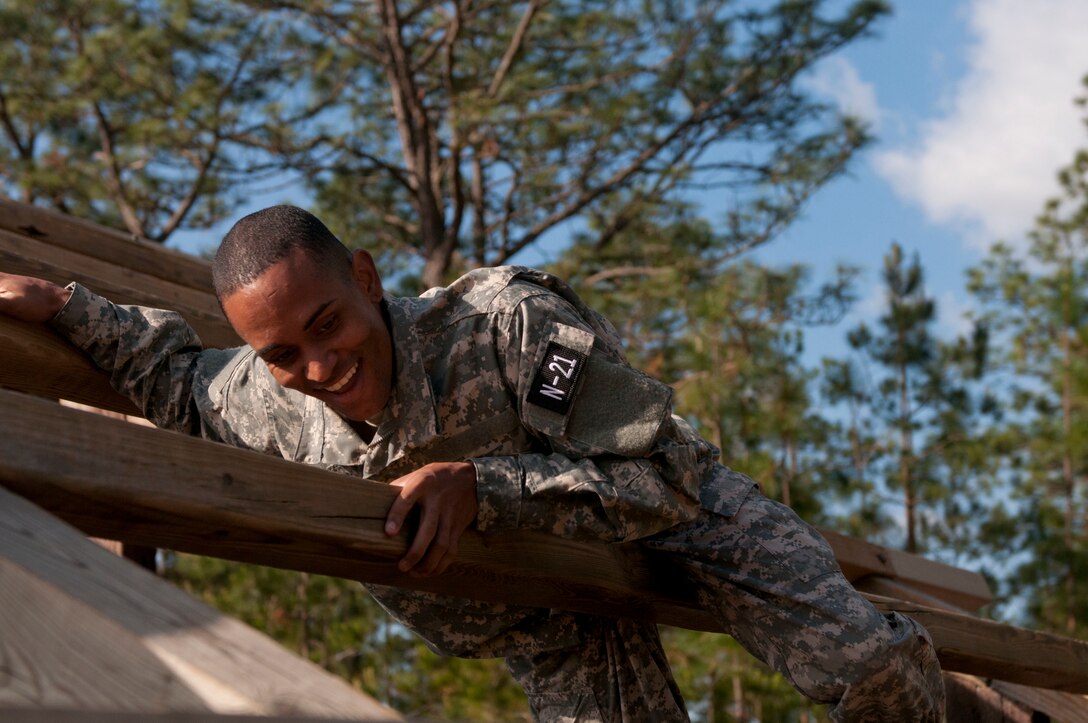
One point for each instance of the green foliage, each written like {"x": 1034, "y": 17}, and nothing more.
{"x": 442, "y": 136}
{"x": 722, "y": 682}
{"x": 908, "y": 405}
{"x": 336, "y": 624}
{"x": 145, "y": 116}
{"x": 476, "y": 129}
{"x": 1036, "y": 303}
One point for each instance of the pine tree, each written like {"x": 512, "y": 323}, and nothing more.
{"x": 1036, "y": 301}
{"x": 908, "y": 403}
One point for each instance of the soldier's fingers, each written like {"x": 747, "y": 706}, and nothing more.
{"x": 421, "y": 542}
{"x": 442, "y": 552}
{"x": 443, "y": 548}
{"x": 447, "y": 560}
{"x": 401, "y": 506}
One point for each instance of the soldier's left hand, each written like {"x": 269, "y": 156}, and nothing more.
{"x": 446, "y": 495}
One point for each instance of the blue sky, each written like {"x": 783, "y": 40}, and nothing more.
{"x": 971, "y": 103}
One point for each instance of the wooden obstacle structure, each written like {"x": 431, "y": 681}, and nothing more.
{"x": 145, "y": 486}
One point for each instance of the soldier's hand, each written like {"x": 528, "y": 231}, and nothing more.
{"x": 30, "y": 299}
{"x": 446, "y": 495}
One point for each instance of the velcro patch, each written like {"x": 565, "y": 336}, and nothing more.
{"x": 555, "y": 380}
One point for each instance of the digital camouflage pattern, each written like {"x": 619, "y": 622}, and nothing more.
{"x": 509, "y": 369}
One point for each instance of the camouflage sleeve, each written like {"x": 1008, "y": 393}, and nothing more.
{"x": 155, "y": 359}
{"x": 619, "y": 465}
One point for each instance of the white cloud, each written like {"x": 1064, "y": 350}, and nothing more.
{"x": 837, "y": 79}
{"x": 990, "y": 162}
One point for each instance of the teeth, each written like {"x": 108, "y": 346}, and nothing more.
{"x": 342, "y": 382}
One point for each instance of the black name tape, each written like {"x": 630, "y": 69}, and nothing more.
{"x": 555, "y": 380}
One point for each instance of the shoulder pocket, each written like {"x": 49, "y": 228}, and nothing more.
{"x": 620, "y": 409}
{"x": 579, "y": 394}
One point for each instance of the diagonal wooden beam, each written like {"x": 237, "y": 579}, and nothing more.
{"x": 35, "y": 360}
{"x": 146, "y": 486}
{"x": 105, "y": 244}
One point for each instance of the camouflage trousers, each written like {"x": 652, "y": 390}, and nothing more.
{"x": 770, "y": 579}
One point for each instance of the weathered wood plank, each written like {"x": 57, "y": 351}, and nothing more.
{"x": 54, "y": 649}
{"x": 122, "y": 284}
{"x": 1064, "y": 707}
{"x": 85, "y": 629}
{"x": 106, "y": 244}
{"x": 140, "y": 485}
{"x": 860, "y": 559}
{"x": 898, "y": 590}
{"x": 35, "y": 360}
{"x": 989, "y": 649}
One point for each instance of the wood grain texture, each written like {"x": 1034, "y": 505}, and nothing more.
{"x": 146, "y": 486}
{"x": 120, "y": 283}
{"x": 1064, "y": 707}
{"x": 85, "y": 629}
{"x": 33, "y": 359}
{"x": 970, "y": 700}
{"x": 105, "y": 244}
{"x": 960, "y": 588}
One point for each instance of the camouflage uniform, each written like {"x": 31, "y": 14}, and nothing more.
{"x": 508, "y": 369}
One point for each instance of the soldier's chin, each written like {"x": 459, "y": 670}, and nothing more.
{"x": 357, "y": 412}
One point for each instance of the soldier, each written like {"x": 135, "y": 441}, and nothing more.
{"x": 503, "y": 402}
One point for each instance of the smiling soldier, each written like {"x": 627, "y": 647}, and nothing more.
{"x": 501, "y": 402}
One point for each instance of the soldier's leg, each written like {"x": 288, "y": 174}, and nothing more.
{"x": 616, "y": 674}
{"x": 572, "y": 667}
{"x": 774, "y": 584}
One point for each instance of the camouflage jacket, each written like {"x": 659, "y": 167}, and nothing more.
{"x": 506, "y": 367}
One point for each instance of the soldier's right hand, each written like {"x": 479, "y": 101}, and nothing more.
{"x": 30, "y": 299}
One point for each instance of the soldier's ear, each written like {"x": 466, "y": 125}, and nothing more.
{"x": 365, "y": 275}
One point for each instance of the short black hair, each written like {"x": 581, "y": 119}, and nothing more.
{"x": 262, "y": 239}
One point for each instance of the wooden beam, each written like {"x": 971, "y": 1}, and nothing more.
{"x": 35, "y": 360}
{"x": 122, "y": 284}
{"x": 899, "y": 590}
{"x": 990, "y": 649}
{"x": 140, "y": 485}
{"x": 970, "y": 700}
{"x": 85, "y": 629}
{"x": 1064, "y": 707}
{"x": 105, "y": 244}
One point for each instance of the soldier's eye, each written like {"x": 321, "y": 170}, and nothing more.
{"x": 279, "y": 358}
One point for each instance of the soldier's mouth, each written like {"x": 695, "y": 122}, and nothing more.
{"x": 342, "y": 381}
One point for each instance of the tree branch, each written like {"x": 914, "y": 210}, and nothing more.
{"x": 515, "y": 45}
{"x": 113, "y": 173}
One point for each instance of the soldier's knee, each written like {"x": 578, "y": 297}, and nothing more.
{"x": 894, "y": 675}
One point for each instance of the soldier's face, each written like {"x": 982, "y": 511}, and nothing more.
{"x": 320, "y": 333}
